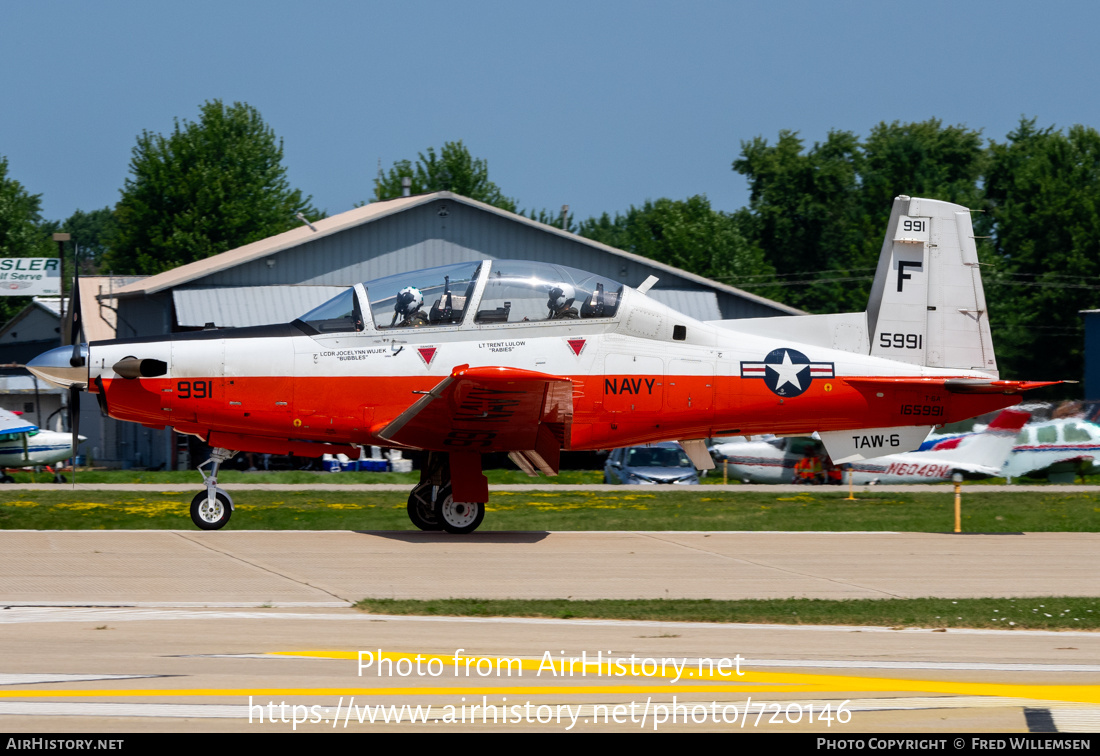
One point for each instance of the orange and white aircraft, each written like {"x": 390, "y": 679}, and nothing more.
{"x": 531, "y": 358}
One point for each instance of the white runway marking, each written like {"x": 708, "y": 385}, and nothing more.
{"x": 1067, "y": 717}
{"x": 177, "y": 604}
{"x": 1076, "y": 720}
{"x": 38, "y": 678}
{"x": 27, "y": 614}
{"x": 86, "y": 709}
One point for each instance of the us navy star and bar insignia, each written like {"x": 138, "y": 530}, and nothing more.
{"x": 787, "y": 372}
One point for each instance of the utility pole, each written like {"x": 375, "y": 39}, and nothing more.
{"x": 61, "y": 239}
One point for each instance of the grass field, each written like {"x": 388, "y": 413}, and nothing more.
{"x": 622, "y": 509}
{"x": 1061, "y": 613}
{"x": 306, "y": 477}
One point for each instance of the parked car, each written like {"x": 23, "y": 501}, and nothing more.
{"x": 659, "y": 463}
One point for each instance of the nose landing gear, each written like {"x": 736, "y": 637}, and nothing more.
{"x": 212, "y": 508}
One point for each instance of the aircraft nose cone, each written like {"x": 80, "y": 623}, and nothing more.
{"x": 54, "y": 366}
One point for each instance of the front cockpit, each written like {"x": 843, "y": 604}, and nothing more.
{"x": 483, "y": 293}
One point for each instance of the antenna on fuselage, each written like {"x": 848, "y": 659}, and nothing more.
{"x": 647, "y": 284}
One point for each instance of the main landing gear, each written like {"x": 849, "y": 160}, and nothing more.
{"x": 432, "y": 503}
{"x": 212, "y": 508}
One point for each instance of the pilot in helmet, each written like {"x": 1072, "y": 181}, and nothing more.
{"x": 561, "y": 302}
{"x": 407, "y": 307}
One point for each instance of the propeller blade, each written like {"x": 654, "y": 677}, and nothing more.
{"x": 74, "y": 422}
{"x": 76, "y": 330}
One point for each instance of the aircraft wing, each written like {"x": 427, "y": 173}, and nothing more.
{"x": 10, "y": 423}
{"x": 490, "y": 409}
{"x": 972, "y": 467}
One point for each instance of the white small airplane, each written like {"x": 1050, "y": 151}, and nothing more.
{"x": 983, "y": 453}
{"x": 1059, "y": 450}
{"x": 22, "y": 444}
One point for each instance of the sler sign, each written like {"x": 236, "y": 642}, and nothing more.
{"x": 30, "y": 276}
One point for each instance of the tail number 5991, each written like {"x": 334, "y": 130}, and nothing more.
{"x": 901, "y": 340}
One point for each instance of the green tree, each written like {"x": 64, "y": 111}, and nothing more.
{"x": 21, "y": 232}
{"x": 550, "y": 218}
{"x": 925, "y": 159}
{"x": 805, "y": 215}
{"x": 453, "y": 169}
{"x": 820, "y": 215}
{"x": 91, "y": 232}
{"x": 1043, "y": 192}
{"x": 687, "y": 234}
{"x": 207, "y": 187}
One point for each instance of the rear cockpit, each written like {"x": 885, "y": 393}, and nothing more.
{"x": 487, "y": 293}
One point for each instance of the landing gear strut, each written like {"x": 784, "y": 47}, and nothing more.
{"x": 432, "y": 504}
{"x": 212, "y": 508}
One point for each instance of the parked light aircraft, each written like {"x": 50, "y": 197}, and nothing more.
{"x": 982, "y": 453}
{"x": 531, "y": 358}
{"x": 22, "y": 444}
{"x": 1059, "y": 449}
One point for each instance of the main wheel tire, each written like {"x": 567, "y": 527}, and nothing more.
{"x": 421, "y": 510}
{"x": 211, "y": 516}
{"x": 457, "y": 516}
{"x": 5, "y": 478}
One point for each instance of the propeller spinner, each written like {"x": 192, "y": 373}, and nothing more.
{"x": 68, "y": 366}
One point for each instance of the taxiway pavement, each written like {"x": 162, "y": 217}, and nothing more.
{"x": 125, "y": 631}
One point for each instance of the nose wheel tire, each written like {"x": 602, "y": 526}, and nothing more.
{"x": 211, "y": 515}
{"x": 458, "y": 516}
{"x": 421, "y": 510}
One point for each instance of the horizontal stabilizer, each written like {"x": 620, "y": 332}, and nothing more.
{"x": 953, "y": 385}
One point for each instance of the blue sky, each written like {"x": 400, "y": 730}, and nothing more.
{"x": 599, "y": 105}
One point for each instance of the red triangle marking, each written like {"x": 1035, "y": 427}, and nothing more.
{"x": 577, "y": 345}
{"x": 427, "y": 354}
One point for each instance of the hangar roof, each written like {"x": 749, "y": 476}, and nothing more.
{"x": 195, "y": 271}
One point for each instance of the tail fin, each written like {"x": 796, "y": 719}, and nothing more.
{"x": 987, "y": 451}
{"x": 927, "y": 305}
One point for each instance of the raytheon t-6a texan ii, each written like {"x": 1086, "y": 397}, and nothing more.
{"x": 533, "y": 358}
